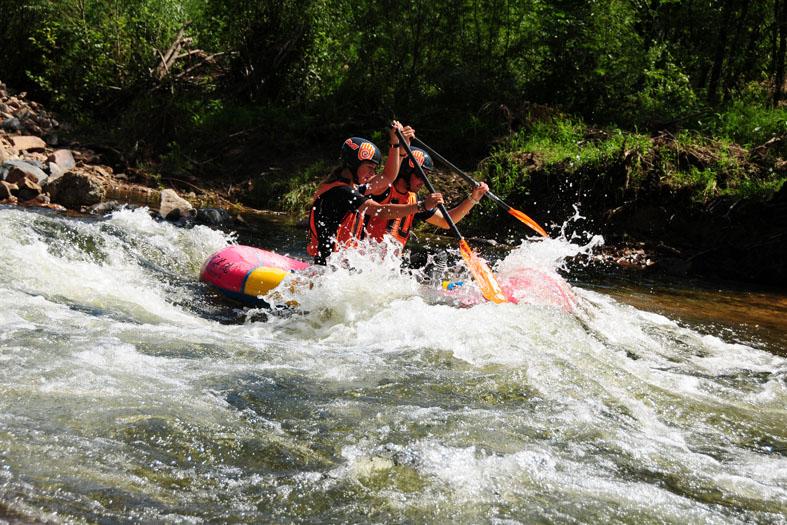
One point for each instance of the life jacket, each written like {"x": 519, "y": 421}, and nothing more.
{"x": 350, "y": 227}
{"x": 399, "y": 229}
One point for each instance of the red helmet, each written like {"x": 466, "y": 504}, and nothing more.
{"x": 356, "y": 150}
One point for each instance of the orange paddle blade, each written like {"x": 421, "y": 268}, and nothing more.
{"x": 527, "y": 220}
{"x": 482, "y": 274}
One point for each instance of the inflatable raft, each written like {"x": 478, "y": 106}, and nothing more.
{"x": 244, "y": 273}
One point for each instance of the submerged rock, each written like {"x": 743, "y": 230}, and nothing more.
{"x": 213, "y": 217}
{"x": 103, "y": 208}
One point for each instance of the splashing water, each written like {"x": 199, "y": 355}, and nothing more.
{"x": 124, "y": 396}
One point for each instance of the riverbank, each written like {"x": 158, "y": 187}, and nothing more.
{"x": 678, "y": 204}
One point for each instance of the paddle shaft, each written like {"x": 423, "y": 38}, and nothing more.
{"x": 461, "y": 173}
{"x": 441, "y": 207}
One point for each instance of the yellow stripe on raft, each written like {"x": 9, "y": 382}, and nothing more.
{"x": 263, "y": 279}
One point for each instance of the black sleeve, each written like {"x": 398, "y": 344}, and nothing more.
{"x": 343, "y": 199}
{"x": 329, "y": 210}
{"x": 381, "y": 197}
{"x": 424, "y": 215}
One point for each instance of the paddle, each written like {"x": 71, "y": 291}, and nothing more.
{"x": 512, "y": 211}
{"x": 478, "y": 268}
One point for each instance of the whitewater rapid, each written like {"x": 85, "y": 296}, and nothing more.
{"x": 130, "y": 392}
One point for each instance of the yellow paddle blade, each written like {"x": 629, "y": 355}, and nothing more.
{"x": 527, "y": 220}
{"x": 482, "y": 274}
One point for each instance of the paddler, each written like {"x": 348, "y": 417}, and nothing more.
{"x": 404, "y": 191}
{"x": 343, "y": 202}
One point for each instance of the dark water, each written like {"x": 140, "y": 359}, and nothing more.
{"x": 736, "y": 312}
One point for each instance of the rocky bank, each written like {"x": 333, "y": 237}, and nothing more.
{"x": 41, "y": 168}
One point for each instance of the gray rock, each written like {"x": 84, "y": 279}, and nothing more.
{"x": 12, "y": 124}
{"x": 63, "y": 158}
{"x": 75, "y": 189}
{"x": 54, "y": 171}
{"x": 23, "y": 169}
{"x": 213, "y": 217}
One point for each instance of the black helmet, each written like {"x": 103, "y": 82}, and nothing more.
{"x": 356, "y": 150}
{"x": 407, "y": 167}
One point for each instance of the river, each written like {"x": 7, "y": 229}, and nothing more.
{"x": 130, "y": 392}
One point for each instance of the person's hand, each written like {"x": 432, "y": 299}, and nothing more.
{"x": 433, "y": 200}
{"x": 408, "y": 133}
{"x": 393, "y": 139}
{"x": 479, "y": 191}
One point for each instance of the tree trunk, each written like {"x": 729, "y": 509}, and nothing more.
{"x": 721, "y": 51}
{"x": 734, "y": 63}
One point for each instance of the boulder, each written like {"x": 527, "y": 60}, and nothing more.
{"x": 54, "y": 171}
{"x": 173, "y": 207}
{"x": 6, "y": 189}
{"x": 213, "y": 217}
{"x": 63, "y": 158}
{"x": 16, "y": 170}
{"x": 4, "y": 154}
{"x": 28, "y": 143}
{"x": 28, "y": 189}
{"x": 12, "y": 124}
{"x": 38, "y": 200}
{"x": 75, "y": 189}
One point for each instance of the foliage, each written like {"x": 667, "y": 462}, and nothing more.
{"x": 87, "y": 54}
{"x": 464, "y": 72}
{"x": 291, "y": 192}
{"x": 689, "y": 161}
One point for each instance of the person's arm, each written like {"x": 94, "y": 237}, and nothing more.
{"x": 458, "y": 212}
{"x": 395, "y": 211}
{"x": 388, "y": 211}
{"x": 379, "y": 183}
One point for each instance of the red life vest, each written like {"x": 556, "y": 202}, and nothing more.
{"x": 350, "y": 227}
{"x": 399, "y": 228}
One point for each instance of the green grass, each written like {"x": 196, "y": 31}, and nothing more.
{"x": 707, "y": 165}
{"x": 301, "y": 187}
{"x": 746, "y": 124}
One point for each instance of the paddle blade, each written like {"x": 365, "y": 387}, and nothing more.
{"x": 482, "y": 274}
{"x": 527, "y": 220}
